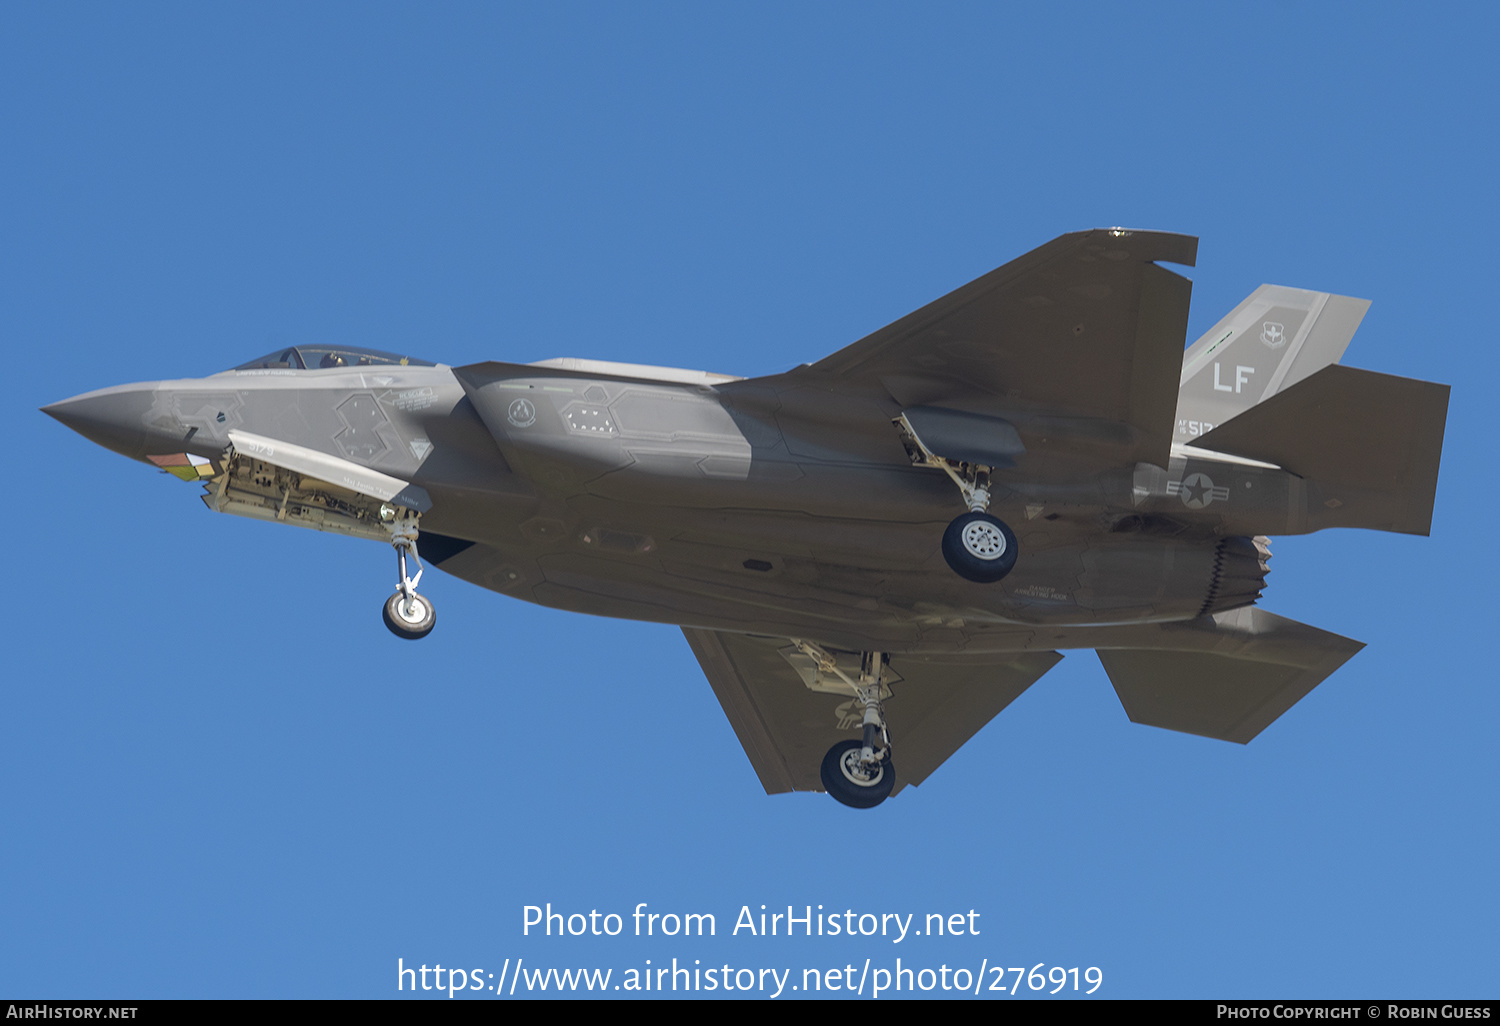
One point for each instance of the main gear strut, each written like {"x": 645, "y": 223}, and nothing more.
{"x": 859, "y": 773}
{"x": 978, "y": 546}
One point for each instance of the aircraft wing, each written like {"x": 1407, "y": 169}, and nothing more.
{"x": 1086, "y": 326}
{"x": 936, "y": 704}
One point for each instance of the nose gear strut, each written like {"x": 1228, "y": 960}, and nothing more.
{"x": 407, "y": 614}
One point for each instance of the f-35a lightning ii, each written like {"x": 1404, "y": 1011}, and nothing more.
{"x": 874, "y": 554}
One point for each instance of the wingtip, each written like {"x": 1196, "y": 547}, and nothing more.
{"x": 1171, "y": 247}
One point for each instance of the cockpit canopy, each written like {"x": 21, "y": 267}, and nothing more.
{"x": 324, "y": 357}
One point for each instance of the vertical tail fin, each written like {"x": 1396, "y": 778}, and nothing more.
{"x": 1271, "y": 341}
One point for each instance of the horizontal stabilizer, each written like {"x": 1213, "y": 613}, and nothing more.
{"x": 1252, "y": 666}
{"x": 938, "y": 703}
{"x": 1369, "y": 443}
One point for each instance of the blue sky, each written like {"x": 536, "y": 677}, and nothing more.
{"x": 220, "y": 775}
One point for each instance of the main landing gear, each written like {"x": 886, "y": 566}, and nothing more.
{"x": 977, "y": 546}
{"x": 858, "y": 773}
{"x": 407, "y": 614}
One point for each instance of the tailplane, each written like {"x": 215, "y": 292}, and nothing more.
{"x": 1228, "y": 676}
{"x": 1366, "y": 445}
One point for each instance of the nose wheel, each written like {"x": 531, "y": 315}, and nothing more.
{"x": 407, "y": 614}
{"x": 411, "y": 618}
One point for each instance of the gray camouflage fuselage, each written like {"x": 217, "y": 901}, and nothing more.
{"x": 745, "y": 505}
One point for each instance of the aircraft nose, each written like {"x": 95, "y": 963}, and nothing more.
{"x": 113, "y": 417}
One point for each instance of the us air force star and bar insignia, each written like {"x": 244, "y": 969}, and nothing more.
{"x": 1197, "y": 491}
{"x": 521, "y": 413}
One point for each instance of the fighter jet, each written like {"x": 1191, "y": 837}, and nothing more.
{"x": 874, "y": 554}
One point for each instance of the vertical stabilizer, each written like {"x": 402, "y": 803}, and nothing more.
{"x": 1271, "y": 341}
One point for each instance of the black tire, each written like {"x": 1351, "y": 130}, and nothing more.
{"x": 845, "y": 788}
{"x": 406, "y": 626}
{"x": 980, "y": 547}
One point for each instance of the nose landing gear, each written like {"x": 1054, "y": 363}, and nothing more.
{"x": 407, "y": 614}
{"x": 410, "y": 618}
